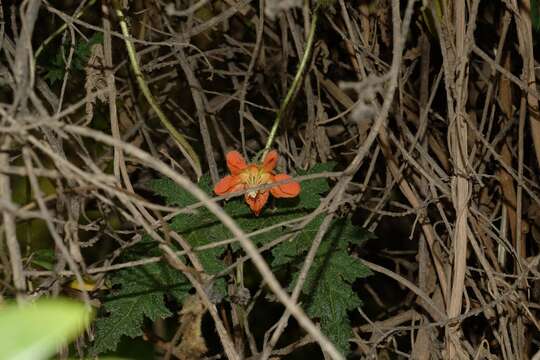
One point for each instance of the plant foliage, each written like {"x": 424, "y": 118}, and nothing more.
{"x": 535, "y": 14}
{"x": 140, "y": 294}
{"x": 327, "y": 291}
{"x": 57, "y": 67}
{"x": 28, "y": 333}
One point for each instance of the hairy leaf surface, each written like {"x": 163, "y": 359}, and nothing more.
{"x": 141, "y": 294}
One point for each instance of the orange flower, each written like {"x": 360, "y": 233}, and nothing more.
{"x": 244, "y": 176}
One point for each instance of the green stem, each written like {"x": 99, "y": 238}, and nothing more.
{"x": 296, "y": 84}
{"x": 60, "y": 30}
{"x": 181, "y": 141}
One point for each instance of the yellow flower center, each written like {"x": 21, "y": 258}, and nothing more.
{"x": 254, "y": 176}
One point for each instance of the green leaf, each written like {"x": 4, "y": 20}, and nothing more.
{"x": 35, "y": 331}
{"x": 44, "y": 258}
{"x": 141, "y": 294}
{"x": 310, "y": 196}
{"x": 56, "y": 69}
{"x": 176, "y": 195}
{"x": 327, "y": 290}
{"x": 203, "y": 228}
{"x": 83, "y": 50}
{"x": 535, "y": 15}
{"x": 198, "y": 228}
{"x": 140, "y": 291}
{"x": 284, "y": 210}
{"x": 289, "y": 251}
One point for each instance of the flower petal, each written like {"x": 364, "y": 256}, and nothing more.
{"x": 235, "y": 162}
{"x": 288, "y": 190}
{"x": 270, "y": 161}
{"x": 228, "y": 184}
{"x": 257, "y": 203}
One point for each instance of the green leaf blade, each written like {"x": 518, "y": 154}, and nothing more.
{"x": 141, "y": 294}
{"x": 34, "y": 331}
{"x": 327, "y": 289}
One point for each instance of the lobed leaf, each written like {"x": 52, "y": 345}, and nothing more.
{"x": 327, "y": 289}
{"x": 141, "y": 294}
{"x": 142, "y": 290}
{"x": 56, "y": 68}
